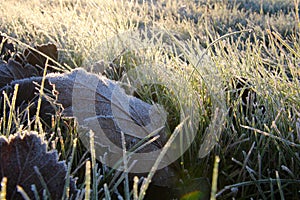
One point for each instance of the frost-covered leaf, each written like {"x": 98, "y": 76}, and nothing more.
{"x": 28, "y": 95}
{"x": 19, "y": 155}
{"x": 13, "y": 71}
{"x": 5, "y": 75}
{"x": 95, "y": 99}
{"x": 101, "y": 104}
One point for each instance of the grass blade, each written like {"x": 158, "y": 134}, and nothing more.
{"x": 147, "y": 181}
{"x": 87, "y": 180}
{"x": 215, "y": 179}
{"x": 3, "y": 188}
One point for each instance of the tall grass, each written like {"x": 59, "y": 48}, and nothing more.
{"x": 180, "y": 45}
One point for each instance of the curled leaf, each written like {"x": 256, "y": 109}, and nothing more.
{"x": 101, "y": 105}
{"x": 95, "y": 99}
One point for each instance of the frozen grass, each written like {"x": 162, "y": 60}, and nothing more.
{"x": 257, "y": 146}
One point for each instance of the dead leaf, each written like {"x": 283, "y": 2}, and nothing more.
{"x": 19, "y": 155}
{"x": 98, "y": 102}
{"x": 14, "y": 71}
{"x": 28, "y": 95}
{"x": 97, "y": 99}
{"x": 102, "y": 105}
{"x": 28, "y": 64}
{"x": 6, "y": 48}
{"x": 37, "y": 59}
{"x": 19, "y": 72}
{"x": 5, "y": 75}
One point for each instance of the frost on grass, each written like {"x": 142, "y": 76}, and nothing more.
{"x": 25, "y": 161}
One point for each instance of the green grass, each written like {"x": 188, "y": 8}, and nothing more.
{"x": 180, "y": 46}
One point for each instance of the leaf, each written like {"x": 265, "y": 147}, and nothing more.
{"x": 6, "y": 48}
{"x": 14, "y": 71}
{"x": 101, "y": 104}
{"x": 5, "y": 76}
{"x": 28, "y": 94}
{"x": 19, "y": 155}
{"x": 30, "y": 63}
{"x": 95, "y": 99}
{"x": 19, "y": 72}
{"x": 37, "y": 59}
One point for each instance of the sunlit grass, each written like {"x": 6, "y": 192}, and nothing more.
{"x": 180, "y": 46}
